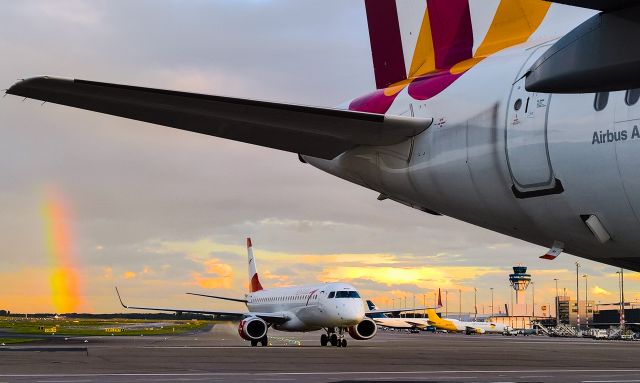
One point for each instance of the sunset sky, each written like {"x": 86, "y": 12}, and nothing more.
{"x": 89, "y": 202}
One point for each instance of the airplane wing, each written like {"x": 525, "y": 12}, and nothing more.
{"x": 599, "y": 5}
{"x": 317, "y": 132}
{"x": 276, "y": 318}
{"x": 400, "y": 310}
{"x": 219, "y": 297}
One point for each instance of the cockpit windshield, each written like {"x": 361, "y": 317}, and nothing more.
{"x": 347, "y": 294}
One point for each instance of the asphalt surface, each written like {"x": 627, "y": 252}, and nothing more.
{"x": 219, "y": 355}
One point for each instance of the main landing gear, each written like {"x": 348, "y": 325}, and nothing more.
{"x": 264, "y": 342}
{"x": 334, "y": 338}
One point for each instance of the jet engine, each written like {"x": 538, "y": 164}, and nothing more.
{"x": 364, "y": 330}
{"x": 252, "y": 328}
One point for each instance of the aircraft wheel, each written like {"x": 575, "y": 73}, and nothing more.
{"x": 264, "y": 341}
{"x": 254, "y": 343}
{"x": 344, "y": 343}
{"x": 334, "y": 340}
{"x": 324, "y": 339}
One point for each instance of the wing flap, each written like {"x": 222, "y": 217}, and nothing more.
{"x": 318, "y": 132}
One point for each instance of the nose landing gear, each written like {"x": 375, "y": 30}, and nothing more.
{"x": 334, "y": 336}
{"x": 264, "y": 342}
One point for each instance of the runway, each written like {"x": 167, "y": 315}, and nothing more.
{"x": 219, "y": 355}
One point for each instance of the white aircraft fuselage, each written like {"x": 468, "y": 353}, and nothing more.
{"x": 309, "y": 308}
{"x": 533, "y": 173}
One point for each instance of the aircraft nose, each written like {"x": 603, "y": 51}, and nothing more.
{"x": 354, "y": 313}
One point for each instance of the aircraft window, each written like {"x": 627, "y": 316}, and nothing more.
{"x": 601, "y": 101}
{"x": 632, "y": 96}
{"x": 347, "y": 294}
{"x": 332, "y": 294}
{"x": 518, "y": 104}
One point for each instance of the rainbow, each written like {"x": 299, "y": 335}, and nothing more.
{"x": 65, "y": 283}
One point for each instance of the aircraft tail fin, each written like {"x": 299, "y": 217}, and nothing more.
{"x": 254, "y": 280}
{"x": 411, "y": 38}
{"x": 433, "y": 316}
{"x": 371, "y": 305}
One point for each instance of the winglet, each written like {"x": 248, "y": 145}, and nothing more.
{"x": 120, "y": 299}
{"x": 555, "y": 250}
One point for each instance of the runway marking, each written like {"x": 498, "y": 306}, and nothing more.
{"x": 302, "y": 373}
{"x": 610, "y": 381}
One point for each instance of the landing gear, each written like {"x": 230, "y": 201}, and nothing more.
{"x": 264, "y": 342}
{"x": 334, "y": 336}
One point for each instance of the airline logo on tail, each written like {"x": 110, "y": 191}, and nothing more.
{"x": 254, "y": 281}
{"x": 425, "y": 46}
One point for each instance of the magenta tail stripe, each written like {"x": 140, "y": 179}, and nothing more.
{"x": 451, "y": 30}
{"x": 386, "y": 42}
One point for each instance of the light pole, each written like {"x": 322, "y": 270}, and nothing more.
{"x": 533, "y": 296}
{"x": 491, "y": 303}
{"x": 475, "y": 303}
{"x": 586, "y": 300}
{"x": 424, "y": 303}
{"x": 557, "y": 303}
{"x": 621, "y": 287}
{"x": 460, "y": 304}
{"x": 446, "y": 303}
{"x": 578, "y": 295}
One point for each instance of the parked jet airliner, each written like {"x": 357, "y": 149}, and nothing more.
{"x": 335, "y": 308}
{"x": 471, "y": 327}
{"x": 520, "y": 116}
{"x": 409, "y": 323}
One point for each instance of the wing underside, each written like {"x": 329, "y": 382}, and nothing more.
{"x": 317, "y": 132}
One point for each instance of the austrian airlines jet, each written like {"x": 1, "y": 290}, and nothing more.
{"x": 519, "y": 116}
{"x": 335, "y": 308}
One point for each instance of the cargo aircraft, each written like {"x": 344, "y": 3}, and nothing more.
{"x": 335, "y": 308}
{"x": 519, "y": 116}
{"x": 468, "y": 327}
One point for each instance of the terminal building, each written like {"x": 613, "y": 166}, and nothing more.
{"x": 568, "y": 311}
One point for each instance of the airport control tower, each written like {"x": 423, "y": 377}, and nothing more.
{"x": 520, "y": 281}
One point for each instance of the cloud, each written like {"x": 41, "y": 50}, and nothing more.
{"x": 211, "y": 283}
{"x": 597, "y": 290}
{"x": 422, "y": 277}
{"x": 108, "y": 273}
{"x": 129, "y": 275}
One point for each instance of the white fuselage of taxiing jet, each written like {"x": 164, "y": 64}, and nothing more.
{"x": 528, "y": 165}
{"x": 485, "y": 327}
{"x": 310, "y": 308}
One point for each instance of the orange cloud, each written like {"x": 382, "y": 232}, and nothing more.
{"x": 423, "y": 277}
{"x": 129, "y": 275}
{"x": 212, "y": 283}
{"x": 108, "y": 273}
{"x": 214, "y": 266}
{"x": 275, "y": 279}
